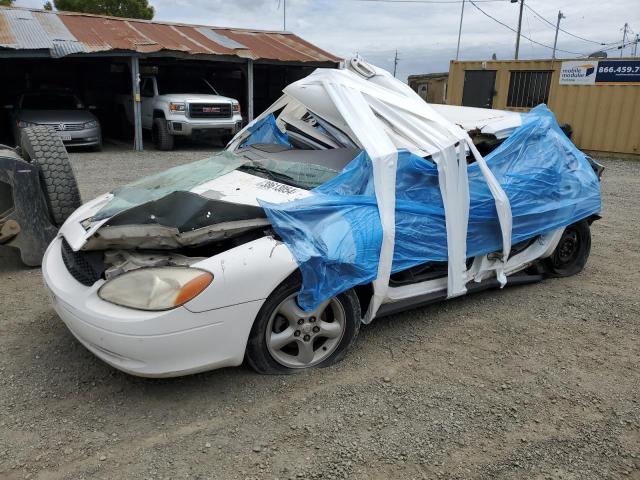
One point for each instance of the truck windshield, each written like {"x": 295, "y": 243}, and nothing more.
{"x": 169, "y": 85}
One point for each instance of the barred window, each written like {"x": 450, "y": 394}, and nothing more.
{"x": 528, "y": 88}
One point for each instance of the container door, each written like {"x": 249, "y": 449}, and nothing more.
{"x": 479, "y": 88}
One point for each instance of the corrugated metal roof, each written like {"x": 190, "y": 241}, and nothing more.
{"x": 220, "y": 39}
{"x": 66, "y": 33}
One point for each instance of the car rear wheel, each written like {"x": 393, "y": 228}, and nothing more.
{"x": 572, "y": 252}
{"x": 285, "y": 339}
{"x": 162, "y": 139}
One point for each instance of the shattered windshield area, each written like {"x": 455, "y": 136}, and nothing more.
{"x": 306, "y": 155}
{"x": 184, "y": 177}
{"x": 300, "y": 175}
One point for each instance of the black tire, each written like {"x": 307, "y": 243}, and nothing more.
{"x": 98, "y": 146}
{"x": 572, "y": 252}
{"x": 124, "y": 129}
{"x": 162, "y": 139}
{"x": 42, "y": 147}
{"x": 258, "y": 355}
{"x": 225, "y": 139}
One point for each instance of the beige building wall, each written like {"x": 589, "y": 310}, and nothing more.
{"x": 604, "y": 118}
{"x": 432, "y": 90}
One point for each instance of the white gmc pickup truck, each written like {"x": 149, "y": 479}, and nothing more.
{"x": 188, "y": 106}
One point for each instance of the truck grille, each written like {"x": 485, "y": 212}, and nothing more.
{"x": 85, "y": 267}
{"x": 210, "y": 110}
{"x": 67, "y": 127}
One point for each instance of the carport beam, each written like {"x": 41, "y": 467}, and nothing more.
{"x": 250, "y": 89}
{"x": 137, "y": 111}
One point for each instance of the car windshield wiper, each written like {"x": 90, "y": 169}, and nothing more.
{"x": 277, "y": 176}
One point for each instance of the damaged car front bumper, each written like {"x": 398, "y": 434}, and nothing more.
{"x": 143, "y": 343}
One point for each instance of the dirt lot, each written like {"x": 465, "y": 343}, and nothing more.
{"x": 540, "y": 381}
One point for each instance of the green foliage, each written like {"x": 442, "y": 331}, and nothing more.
{"x": 48, "y": 6}
{"x": 114, "y": 8}
{"x": 6, "y": 3}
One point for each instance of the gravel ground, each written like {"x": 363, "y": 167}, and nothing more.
{"x": 540, "y": 381}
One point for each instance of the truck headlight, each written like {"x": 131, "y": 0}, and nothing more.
{"x": 177, "y": 107}
{"x": 236, "y": 107}
{"x": 156, "y": 288}
{"x": 91, "y": 124}
{"x": 23, "y": 124}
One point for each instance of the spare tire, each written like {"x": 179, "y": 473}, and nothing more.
{"x": 42, "y": 147}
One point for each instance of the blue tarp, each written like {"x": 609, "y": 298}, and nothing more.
{"x": 266, "y": 131}
{"x": 335, "y": 234}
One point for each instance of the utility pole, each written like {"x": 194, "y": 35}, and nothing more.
{"x": 460, "y": 31}
{"x": 519, "y": 26}
{"x": 624, "y": 38}
{"x": 395, "y": 64}
{"x": 635, "y": 47}
{"x": 284, "y": 14}
{"x": 555, "y": 41}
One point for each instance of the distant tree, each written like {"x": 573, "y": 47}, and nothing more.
{"x": 114, "y": 8}
{"x": 6, "y": 3}
{"x": 48, "y": 6}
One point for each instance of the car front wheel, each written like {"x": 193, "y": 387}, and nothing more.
{"x": 285, "y": 339}
{"x": 162, "y": 139}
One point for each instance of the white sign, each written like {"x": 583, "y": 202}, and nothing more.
{"x": 581, "y": 72}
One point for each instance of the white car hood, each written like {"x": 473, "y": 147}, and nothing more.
{"x": 500, "y": 123}
{"x": 235, "y": 187}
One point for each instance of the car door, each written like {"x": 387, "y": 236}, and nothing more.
{"x": 147, "y": 92}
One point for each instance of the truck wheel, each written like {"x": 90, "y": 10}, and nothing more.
{"x": 285, "y": 339}
{"x": 41, "y": 146}
{"x": 162, "y": 139}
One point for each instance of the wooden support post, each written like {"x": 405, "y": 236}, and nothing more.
{"x": 250, "y": 112}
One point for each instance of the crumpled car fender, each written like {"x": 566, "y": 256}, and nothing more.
{"x": 245, "y": 273}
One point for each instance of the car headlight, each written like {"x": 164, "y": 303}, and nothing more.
{"x": 91, "y": 124}
{"x": 177, "y": 107}
{"x": 236, "y": 107}
{"x": 23, "y": 124}
{"x": 156, "y": 288}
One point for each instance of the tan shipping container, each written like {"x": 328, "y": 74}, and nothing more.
{"x": 431, "y": 87}
{"x": 604, "y": 118}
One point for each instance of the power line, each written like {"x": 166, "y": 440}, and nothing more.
{"x": 473, "y": 2}
{"x": 431, "y": 1}
{"x": 619, "y": 47}
{"x": 562, "y": 30}
{"x": 526, "y": 16}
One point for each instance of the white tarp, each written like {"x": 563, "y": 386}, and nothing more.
{"x": 382, "y": 114}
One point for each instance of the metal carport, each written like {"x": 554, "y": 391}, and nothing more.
{"x": 41, "y": 42}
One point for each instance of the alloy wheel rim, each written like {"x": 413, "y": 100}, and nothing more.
{"x": 299, "y": 339}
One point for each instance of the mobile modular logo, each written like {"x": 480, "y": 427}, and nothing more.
{"x": 578, "y": 73}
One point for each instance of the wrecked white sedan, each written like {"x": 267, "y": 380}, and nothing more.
{"x": 349, "y": 199}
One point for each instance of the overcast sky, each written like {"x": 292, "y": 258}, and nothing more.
{"x": 424, "y": 34}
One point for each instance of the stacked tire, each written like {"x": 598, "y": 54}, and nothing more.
{"x": 42, "y": 147}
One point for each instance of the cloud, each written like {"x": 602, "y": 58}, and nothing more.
{"x": 424, "y": 34}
